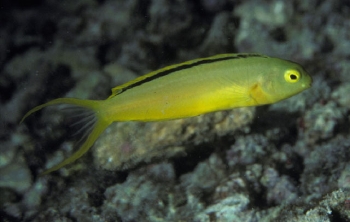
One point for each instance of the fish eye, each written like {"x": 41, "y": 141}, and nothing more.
{"x": 292, "y": 76}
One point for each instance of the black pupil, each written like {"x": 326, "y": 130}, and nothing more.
{"x": 293, "y": 77}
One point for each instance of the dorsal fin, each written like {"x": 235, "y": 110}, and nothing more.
{"x": 172, "y": 68}
{"x": 118, "y": 89}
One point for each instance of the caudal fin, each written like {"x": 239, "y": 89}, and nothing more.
{"x": 92, "y": 123}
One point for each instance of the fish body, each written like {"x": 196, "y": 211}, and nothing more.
{"x": 189, "y": 89}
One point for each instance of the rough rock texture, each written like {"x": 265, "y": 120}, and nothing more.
{"x": 285, "y": 162}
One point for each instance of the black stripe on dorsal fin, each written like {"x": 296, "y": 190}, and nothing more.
{"x": 174, "y": 68}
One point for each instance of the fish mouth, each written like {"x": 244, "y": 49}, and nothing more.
{"x": 309, "y": 83}
{"x": 306, "y": 86}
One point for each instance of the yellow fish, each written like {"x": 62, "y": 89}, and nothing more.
{"x": 189, "y": 89}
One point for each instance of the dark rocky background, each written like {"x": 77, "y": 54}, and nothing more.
{"x": 284, "y": 162}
